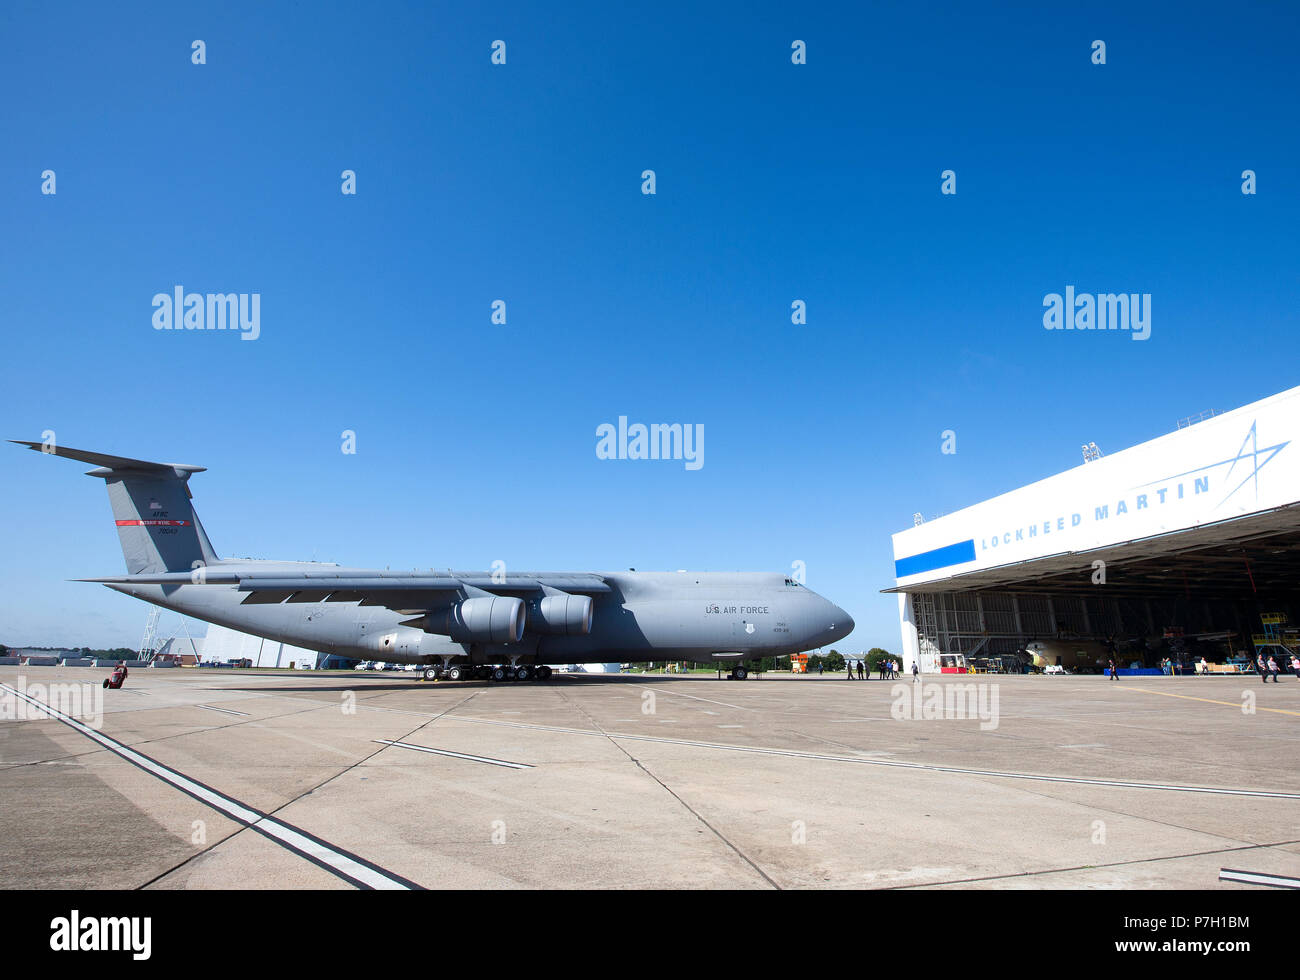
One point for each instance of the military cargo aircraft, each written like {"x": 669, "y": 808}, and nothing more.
{"x": 457, "y": 625}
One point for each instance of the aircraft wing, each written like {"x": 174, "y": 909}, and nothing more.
{"x": 405, "y": 592}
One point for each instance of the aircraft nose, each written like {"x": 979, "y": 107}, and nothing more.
{"x": 839, "y": 625}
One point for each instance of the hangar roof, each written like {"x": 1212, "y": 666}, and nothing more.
{"x": 1215, "y": 503}
{"x": 1258, "y": 555}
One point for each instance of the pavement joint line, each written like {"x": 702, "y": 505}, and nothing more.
{"x": 1114, "y": 811}
{"x": 234, "y": 724}
{"x": 227, "y": 711}
{"x": 343, "y": 864}
{"x": 820, "y": 738}
{"x": 1258, "y": 878}
{"x": 453, "y": 755}
{"x": 58, "y": 758}
{"x": 679, "y": 694}
{"x": 1099, "y": 867}
{"x": 1231, "y": 704}
{"x": 926, "y": 767}
{"x": 360, "y": 703}
{"x": 667, "y": 789}
{"x": 310, "y": 790}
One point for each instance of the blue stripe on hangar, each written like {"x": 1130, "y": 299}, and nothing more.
{"x": 928, "y": 561}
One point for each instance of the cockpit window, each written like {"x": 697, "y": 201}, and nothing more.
{"x": 791, "y": 583}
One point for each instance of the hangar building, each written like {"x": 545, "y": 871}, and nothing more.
{"x": 1186, "y": 544}
{"x": 223, "y": 644}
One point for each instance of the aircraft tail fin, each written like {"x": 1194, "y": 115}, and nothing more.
{"x": 156, "y": 523}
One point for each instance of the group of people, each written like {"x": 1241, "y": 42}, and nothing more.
{"x": 1268, "y": 668}
{"x": 888, "y": 670}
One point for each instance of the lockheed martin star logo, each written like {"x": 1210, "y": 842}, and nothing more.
{"x": 1249, "y": 455}
{"x": 1253, "y": 456}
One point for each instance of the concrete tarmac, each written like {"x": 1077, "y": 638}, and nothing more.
{"x": 249, "y": 779}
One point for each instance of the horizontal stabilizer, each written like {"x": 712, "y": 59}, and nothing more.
{"x": 118, "y": 463}
{"x": 200, "y": 576}
{"x": 156, "y": 523}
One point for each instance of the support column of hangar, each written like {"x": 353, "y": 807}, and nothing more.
{"x": 1200, "y": 523}
{"x": 918, "y": 616}
{"x": 907, "y": 624}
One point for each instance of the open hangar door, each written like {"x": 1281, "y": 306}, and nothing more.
{"x": 1221, "y": 591}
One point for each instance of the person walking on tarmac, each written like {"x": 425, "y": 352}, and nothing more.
{"x": 1114, "y": 671}
{"x": 860, "y": 668}
{"x": 1262, "y": 668}
{"x": 1272, "y": 669}
{"x": 848, "y": 670}
{"x": 916, "y": 672}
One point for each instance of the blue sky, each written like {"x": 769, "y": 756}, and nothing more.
{"x": 522, "y": 182}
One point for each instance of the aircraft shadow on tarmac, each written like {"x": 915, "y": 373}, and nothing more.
{"x": 342, "y": 683}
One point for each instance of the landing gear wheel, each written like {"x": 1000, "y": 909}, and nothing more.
{"x": 543, "y": 673}
{"x": 740, "y": 673}
{"x": 430, "y": 673}
{"x": 523, "y": 672}
{"x": 499, "y": 674}
{"x": 454, "y": 674}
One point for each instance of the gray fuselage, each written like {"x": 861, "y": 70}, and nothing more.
{"x": 695, "y": 616}
{"x": 423, "y": 617}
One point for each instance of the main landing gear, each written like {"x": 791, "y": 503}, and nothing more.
{"x": 502, "y": 673}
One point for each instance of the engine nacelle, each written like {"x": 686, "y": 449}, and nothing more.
{"x": 561, "y": 615}
{"x": 485, "y": 619}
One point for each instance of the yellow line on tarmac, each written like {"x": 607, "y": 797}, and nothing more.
{"x": 1188, "y": 697}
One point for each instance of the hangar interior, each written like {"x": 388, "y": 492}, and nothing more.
{"x": 1220, "y": 590}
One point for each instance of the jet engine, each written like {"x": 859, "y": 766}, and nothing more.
{"x": 560, "y": 615}
{"x": 481, "y": 619}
